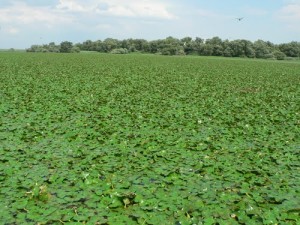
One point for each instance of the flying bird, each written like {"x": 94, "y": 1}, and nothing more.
{"x": 240, "y": 18}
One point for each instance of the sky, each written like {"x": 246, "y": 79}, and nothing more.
{"x": 28, "y": 22}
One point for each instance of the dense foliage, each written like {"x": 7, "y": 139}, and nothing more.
{"x": 64, "y": 47}
{"x": 187, "y": 46}
{"x": 144, "y": 139}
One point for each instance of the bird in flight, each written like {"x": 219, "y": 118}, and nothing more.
{"x": 240, "y": 18}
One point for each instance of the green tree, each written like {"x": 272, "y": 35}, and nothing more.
{"x": 154, "y": 46}
{"x": 217, "y": 45}
{"x": 237, "y": 48}
{"x": 228, "y": 52}
{"x": 262, "y": 49}
{"x": 214, "y": 41}
{"x": 110, "y": 43}
{"x": 52, "y": 47}
{"x": 198, "y": 45}
{"x": 291, "y": 49}
{"x": 119, "y": 51}
{"x": 87, "y": 45}
{"x": 207, "y": 49}
{"x": 37, "y": 48}
{"x": 188, "y": 45}
{"x": 97, "y": 46}
{"x": 139, "y": 44}
{"x": 75, "y": 49}
{"x": 279, "y": 55}
{"x": 66, "y": 47}
{"x": 248, "y": 49}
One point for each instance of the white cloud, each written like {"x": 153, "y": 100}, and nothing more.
{"x": 291, "y": 12}
{"x": 81, "y": 13}
{"x": 24, "y": 21}
{"x": 20, "y": 13}
{"x": 290, "y": 15}
{"x": 12, "y": 30}
{"x": 131, "y": 8}
{"x": 292, "y": 1}
{"x": 79, "y": 20}
{"x": 69, "y": 5}
{"x": 103, "y": 26}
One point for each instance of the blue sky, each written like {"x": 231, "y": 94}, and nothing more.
{"x": 27, "y": 22}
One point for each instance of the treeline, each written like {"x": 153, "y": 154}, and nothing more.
{"x": 64, "y": 47}
{"x": 185, "y": 46}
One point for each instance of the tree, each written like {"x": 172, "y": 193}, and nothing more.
{"x": 291, "y": 49}
{"x": 185, "y": 46}
{"x": 198, "y": 46}
{"x": 214, "y": 41}
{"x": 186, "y": 40}
{"x": 154, "y": 46}
{"x": 87, "y": 45}
{"x": 125, "y": 44}
{"x": 228, "y": 52}
{"x": 188, "y": 45}
{"x": 217, "y": 46}
{"x": 37, "y": 48}
{"x": 75, "y": 49}
{"x": 95, "y": 45}
{"x": 110, "y": 43}
{"x": 168, "y": 46}
{"x": 139, "y": 44}
{"x": 66, "y": 47}
{"x": 119, "y": 51}
{"x": 262, "y": 49}
{"x": 52, "y": 47}
{"x": 279, "y": 55}
{"x": 237, "y": 47}
{"x": 207, "y": 50}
